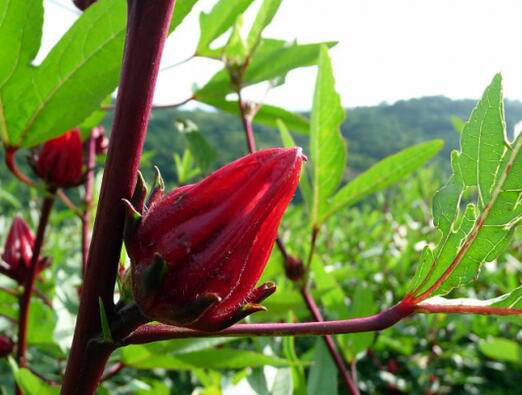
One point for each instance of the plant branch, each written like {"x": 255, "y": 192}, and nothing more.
{"x": 112, "y": 371}
{"x": 462, "y": 309}
{"x": 147, "y": 29}
{"x": 154, "y": 332}
{"x": 330, "y": 344}
{"x": 87, "y": 200}
{"x": 159, "y": 106}
{"x": 10, "y": 161}
{"x": 247, "y": 115}
{"x": 25, "y": 298}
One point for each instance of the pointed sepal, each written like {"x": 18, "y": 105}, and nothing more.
{"x": 140, "y": 194}
{"x": 158, "y": 186}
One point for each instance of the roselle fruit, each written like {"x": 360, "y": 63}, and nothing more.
{"x": 6, "y": 346}
{"x": 60, "y": 161}
{"x": 18, "y": 252}
{"x": 198, "y": 251}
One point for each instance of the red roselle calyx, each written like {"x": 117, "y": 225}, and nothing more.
{"x": 198, "y": 251}
{"x": 18, "y": 252}
{"x": 6, "y": 346}
{"x": 60, "y": 161}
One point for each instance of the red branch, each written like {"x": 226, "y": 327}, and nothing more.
{"x": 147, "y": 28}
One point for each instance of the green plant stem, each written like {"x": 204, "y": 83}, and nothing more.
{"x": 147, "y": 28}
{"x": 87, "y": 200}
{"x": 330, "y": 343}
{"x": 25, "y": 298}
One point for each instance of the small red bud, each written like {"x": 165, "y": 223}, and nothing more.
{"x": 198, "y": 252}
{"x": 18, "y": 251}
{"x": 294, "y": 268}
{"x": 59, "y": 162}
{"x": 101, "y": 142}
{"x": 6, "y": 346}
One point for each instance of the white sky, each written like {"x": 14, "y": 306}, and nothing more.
{"x": 388, "y": 49}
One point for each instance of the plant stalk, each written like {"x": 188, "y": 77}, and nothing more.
{"x": 87, "y": 200}
{"x": 25, "y": 298}
{"x": 147, "y": 29}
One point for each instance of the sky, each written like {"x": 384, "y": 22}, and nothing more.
{"x": 387, "y": 50}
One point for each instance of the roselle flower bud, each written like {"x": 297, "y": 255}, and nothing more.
{"x": 59, "y": 162}
{"x": 6, "y": 346}
{"x": 294, "y": 268}
{"x": 198, "y": 251}
{"x": 18, "y": 252}
{"x": 101, "y": 142}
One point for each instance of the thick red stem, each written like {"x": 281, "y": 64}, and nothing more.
{"x": 148, "y": 23}
{"x": 25, "y": 298}
{"x": 330, "y": 344}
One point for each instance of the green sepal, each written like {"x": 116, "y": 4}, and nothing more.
{"x": 106, "y": 330}
{"x": 140, "y": 193}
{"x": 194, "y": 310}
{"x": 153, "y": 275}
{"x": 158, "y": 186}
{"x": 132, "y": 222}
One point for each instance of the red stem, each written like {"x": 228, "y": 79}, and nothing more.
{"x": 246, "y": 118}
{"x": 147, "y": 29}
{"x": 25, "y": 298}
{"x": 87, "y": 200}
{"x": 332, "y": 348}
{"x": 10, "y": 161}
{"x": 156, "y": 332}
{"x": 113, "y": 371}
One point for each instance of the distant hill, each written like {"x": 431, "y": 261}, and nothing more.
{"x": 372, "y": 132}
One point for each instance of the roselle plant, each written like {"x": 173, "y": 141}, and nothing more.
{"x": 197, "y": 252}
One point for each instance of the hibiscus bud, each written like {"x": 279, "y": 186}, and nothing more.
{"x": 59, "y": 162}
{"x": 18, "y": 252}
{"x": 198, "y": 251}
{"x": 6, "y": 346}
{"x": 294, "y": 268}
{"x": 101, "y": 142}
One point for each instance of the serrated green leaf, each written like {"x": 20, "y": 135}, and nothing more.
{"x": 492, "y": 167}
{"x": 272, "y": 59}
{"x": 235, "y": 51}
{"x": 383, "y": 174}
{"x": 267, "y": 114}
{"x": 304, "y": 182}
{"x": 140, "y": 357}
{"x": 60, "y": 93}
{"x": 21, "y": 31}
{"x": 323, "y": 373}
{"x": 216, "y": 22}
{"x": 204, "y": 154}
{"x": 263, "y": 18}
{"x": 181, "y": 9}
{"x": 327, "y": 146}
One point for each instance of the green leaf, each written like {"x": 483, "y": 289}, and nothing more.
{"x": 304, "y": 182}
{"x": 490, "y": 167}
{"x": 30, "y": 383}
{"x": 21, "y": 31}
{"x": 502, "y": 349}
{"x": 181, "y": 9}
{"x": 263, "y": 18}
{"x": 327, "y": 147}
{"x": 203, "y": 152}
{"x": 42, "y": 323}
{"x": 323, "y": 373}
{"x": 142, "y": 358}
{"x": 363, "y": 305}
{"x": 383, "y": 174}
{"x": 61, "y": 93}
{"x": 235, "y": 51}
{"x": 267, "y": 114}
{"x": 273, "y": 59}
{"x": 216, "y": 22}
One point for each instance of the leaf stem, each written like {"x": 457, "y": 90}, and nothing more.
{"x": 247, "y": 115}
{"x": 25, "y": 298}
{"x": 147, "y": 29}
{"x": 154, "y": 332}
